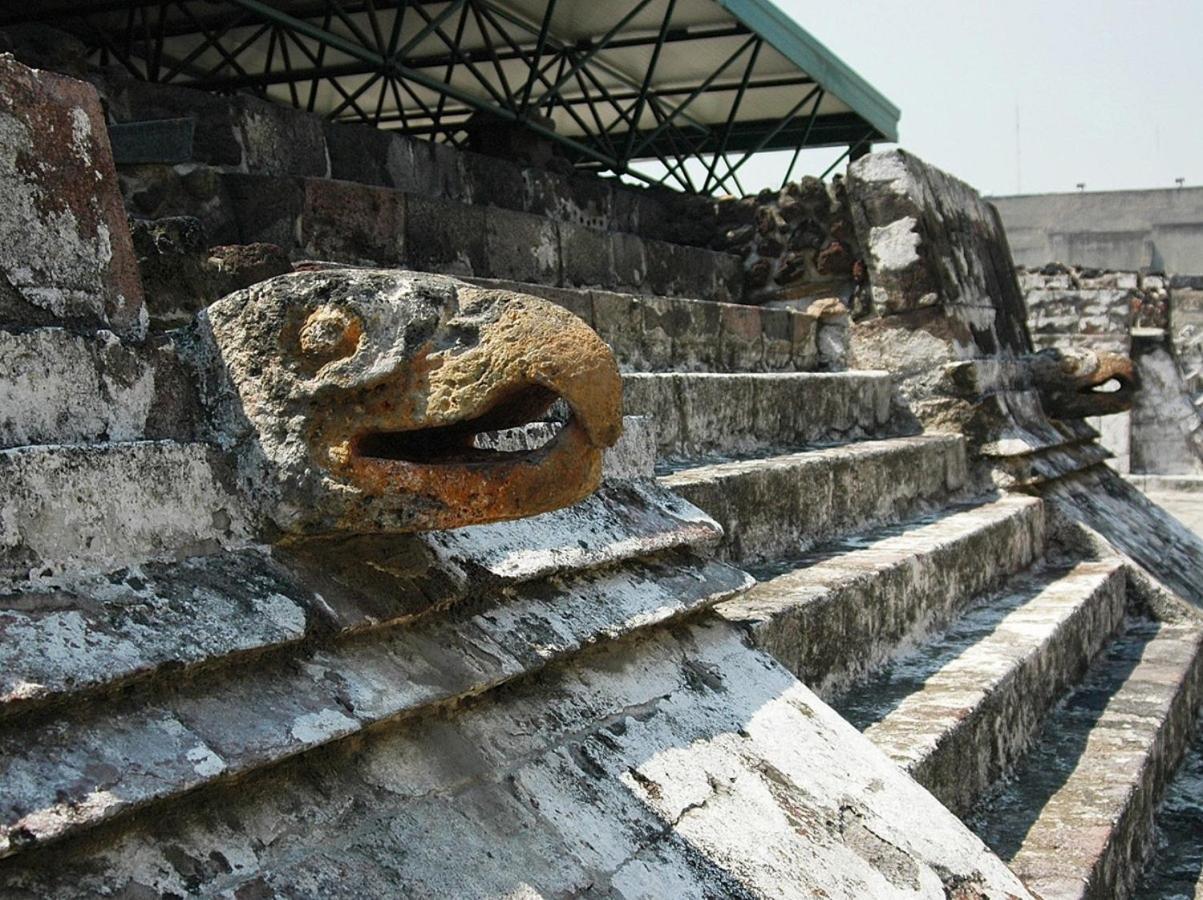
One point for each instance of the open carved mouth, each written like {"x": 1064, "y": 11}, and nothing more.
{"x": 514, "y": 427}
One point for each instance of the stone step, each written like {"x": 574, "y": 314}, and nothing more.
{"x": 324, "y": 219}
{"x": 1077, "y": 820}
{"x": 1176, "y": 872}
{"x": 781, "y": 506}
{"x": 680, "y": 334}
{"x": 238, "y": 132}
{"x": 68, "y": 772}
{"x": 836, "y": 614}
{"x": 959, "y": 711}
{"x": 65, "y": 639}
{"x": 58, "y": 387}
{"x": 99, "y": 507}
{"x": 72, "y": 509}
{"x": 683, "y": 764}
{"x": 699, "y": 415}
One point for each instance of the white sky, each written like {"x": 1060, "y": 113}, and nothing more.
{"x": 1109, "y": 92}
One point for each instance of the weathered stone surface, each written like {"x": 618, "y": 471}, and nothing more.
{"x": 1177, "y": 870}
{"x": 232, "y": 267}
{"x": 279, "y": 140}
{"x": 171, "y": 255}
{"x": 1077, "y": 819}
{"x": 352, "y": 397}
{"x": 784, "y": 505}
{"x": 1133, "y": 526}
{"x": 834, "y": 615}
{"x": 65, "y": 250}
{"x": 65, "y": 509}
{"x": 445, "y": 237}
{"x": 1166, "y": 427}
{"x": 353, "y": 223}
{"x": 215, "y": 726}
{"x": 960, "y": 710}
{"x": 708, "y": 414}
{"x": 265, "y": 210}
{"x": 931, "y": 240}
{"x": 586, "y": 256}
{"x": 684, "y": 765}
{"x": 58, "y": 387}
{"x": 99, "y": 632}
{"x": 522, "y": 247}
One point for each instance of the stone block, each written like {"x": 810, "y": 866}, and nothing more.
{"x": 932, "y": 240}
{"x": 804, "y": 333}
{"x": 586, "y": 200}
{"x": 741, "y": 342}
{"x": 728, "y": 278}
{"x": 171, "y": 259}
{"x": 353, "y": 223}
{"x": 777, "y": 327}
{"x": 280, "y": 140}
{"x": 541, "y": 193}
{"x": 698, "y": 275}
{"x": 493, "y": 182}
{"x": 659, "y": 325}
{"x": 442, "y": 236}
{"x": 618, "y": 319}
{"x": 63, "y": 388}
{"x": 697, "y": 336}
{"x": 521, "y": 246}
{"x": 102, "y": 507}
{"x": 161, "y": 191}
{"x": 66, "y": 256}
{"x": 424, "y": 167}
{"x": 665, "y": 265}
{"x": 630, "y": 262}
{"x": 266, "y": 208}
{"x": 359, "y": 153}
{"x": 215, "y": 140}
{"x": 585, "y": 255}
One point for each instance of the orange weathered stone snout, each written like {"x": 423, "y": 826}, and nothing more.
{"x": 380, "y": 400}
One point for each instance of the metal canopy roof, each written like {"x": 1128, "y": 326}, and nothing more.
{"x": 665, "y": 80}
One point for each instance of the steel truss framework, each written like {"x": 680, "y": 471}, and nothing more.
{"x": 377, "y": 58}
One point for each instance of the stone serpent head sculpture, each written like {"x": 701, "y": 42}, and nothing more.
{"x": 355, "y": 400}
{"x": 1078, "y": 383}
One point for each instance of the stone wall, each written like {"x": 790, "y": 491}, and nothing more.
{"x": 797, "y": 244}
{"x": 244, "y": 134}
{"x": 1156, "y": 320}
{"x": 1161, "y": 230}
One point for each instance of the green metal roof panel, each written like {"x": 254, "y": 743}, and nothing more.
{"x": 809, "y": 54}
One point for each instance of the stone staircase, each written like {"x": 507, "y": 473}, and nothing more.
{"x": 1011, "y": 676}
{"x": 594, "y": 700}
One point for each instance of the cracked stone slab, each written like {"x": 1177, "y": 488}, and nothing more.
{"x": 69, "y": 772}
{"x": 64, "y": 638}
{"x": 783, "y": 505}
{"x": 685, "y": 764}
{"x": 840, "y": 612}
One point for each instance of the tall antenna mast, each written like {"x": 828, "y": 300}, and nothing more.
{"x": 1018, "y": 166}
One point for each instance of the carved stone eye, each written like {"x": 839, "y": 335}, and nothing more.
{"x": 330, "y": 333}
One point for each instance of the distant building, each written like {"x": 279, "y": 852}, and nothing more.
{"x": 1154, "y": 230}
